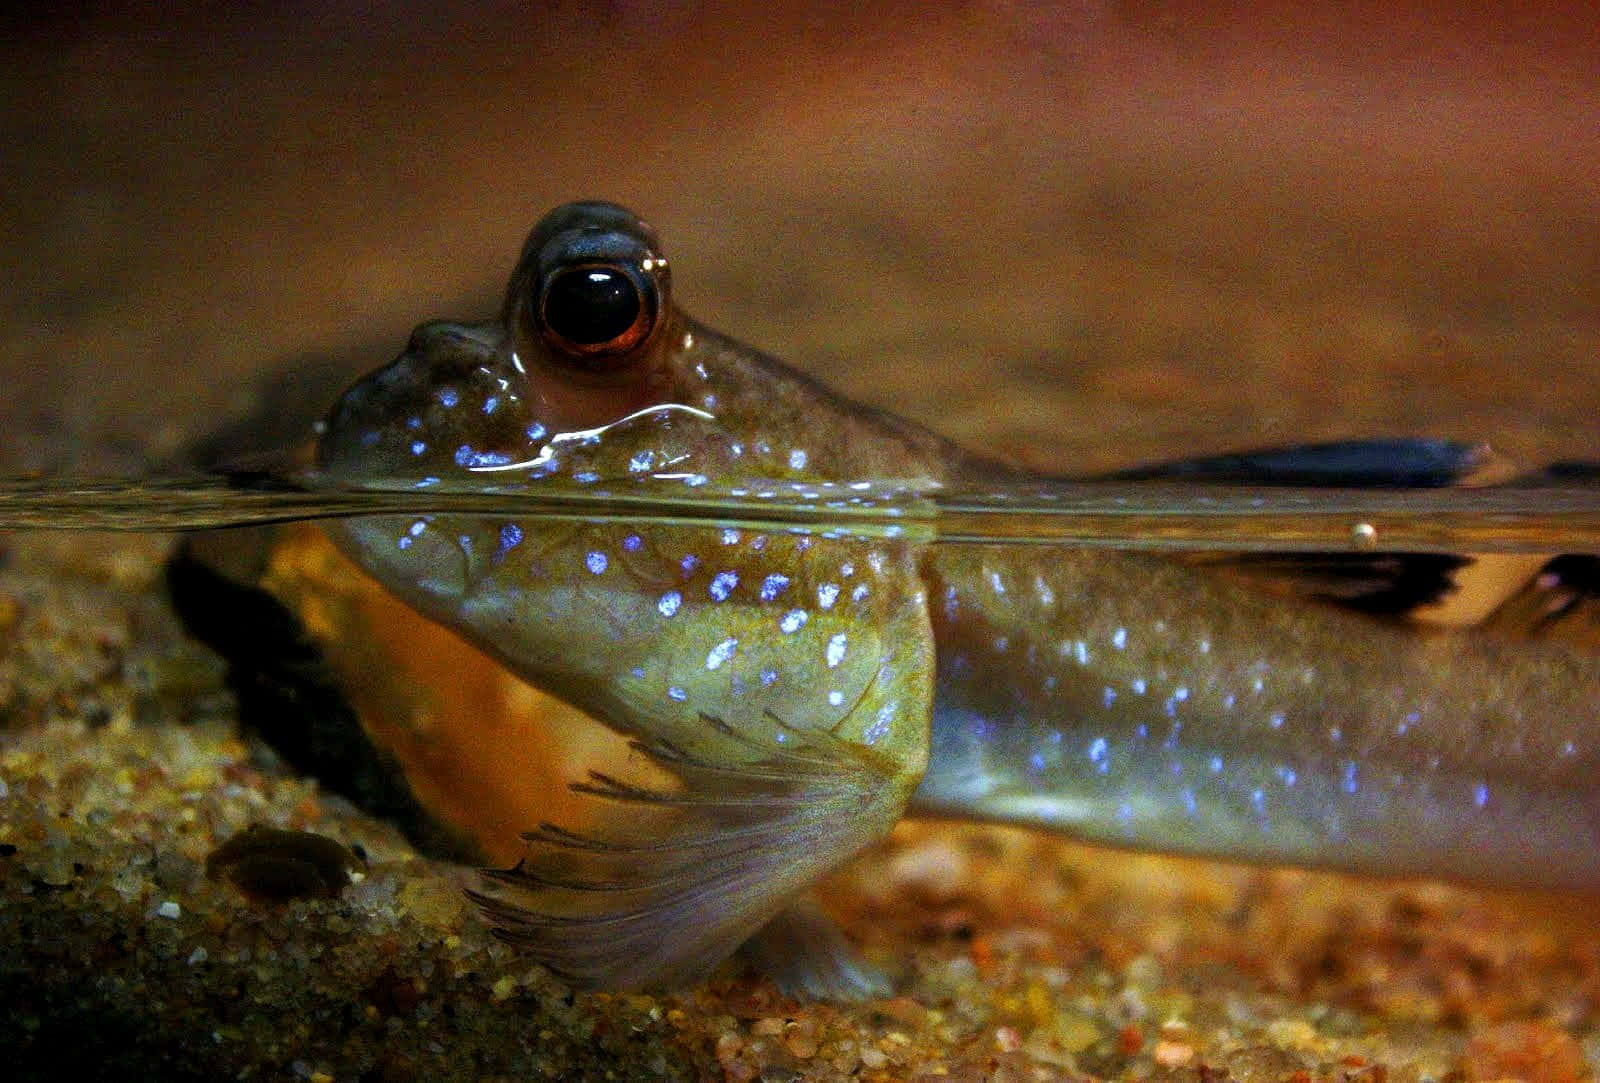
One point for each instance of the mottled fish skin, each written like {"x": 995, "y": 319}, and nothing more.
{"x": 799, "y": 688}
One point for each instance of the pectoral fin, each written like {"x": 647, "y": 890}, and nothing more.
{"x": 690, "y": 872}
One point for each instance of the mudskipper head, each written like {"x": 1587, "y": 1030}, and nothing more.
{"x": 584, "y": 339}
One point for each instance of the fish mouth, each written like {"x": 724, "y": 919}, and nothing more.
{"x": 452, "y": 397}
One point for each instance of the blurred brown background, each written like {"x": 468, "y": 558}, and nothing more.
{"x": 1081, "y": 234}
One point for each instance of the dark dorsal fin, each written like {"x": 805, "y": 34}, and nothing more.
{"x": 1409, "y": 463}
{"x": 1440, "y": 588}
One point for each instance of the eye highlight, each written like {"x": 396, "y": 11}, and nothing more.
{"x": 595, "y": 308}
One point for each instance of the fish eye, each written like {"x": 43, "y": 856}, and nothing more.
{"x": 591, "y": 290}
{"x": 594, "y": 308}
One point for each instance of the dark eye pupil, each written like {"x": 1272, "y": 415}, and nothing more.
{"x": 591, "y": 305}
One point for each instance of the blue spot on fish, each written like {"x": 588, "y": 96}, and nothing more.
{"x": 722, "y": 585}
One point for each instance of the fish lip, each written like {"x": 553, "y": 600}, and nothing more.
{"x": 437, "y": 352}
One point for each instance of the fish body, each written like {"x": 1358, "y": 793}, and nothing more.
{"x": 792, "y": 694}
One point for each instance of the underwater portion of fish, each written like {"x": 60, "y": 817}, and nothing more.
{"x": 793, "y": 694}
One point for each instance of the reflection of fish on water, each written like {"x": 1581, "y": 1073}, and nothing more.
{"x": 793, "y": 694}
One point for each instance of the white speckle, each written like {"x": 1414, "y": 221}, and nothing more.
{"x": 1180, "y": 693}
{"x": 669, "y": 603}
{"x": 536, "y": 431}
{"x": 1080, "y": 651}
{"x": 1257, "y": 685}
{"x": 1258, "y": 800}
{"x": 1480, "y": 794}
{"x": 1119, "y": 638}
{"x": 1335, "y": 734}
{"x": 997, "y": 584}
{"x": 418, "y": 447}
{"x": 1138, "y": 686}
{"x": 1098, "y": 751}
{"x": 689, "y": 563}
{"x": 880, "y": 725}
{"x": 1287, "y": 775}
{"x": 772, "y": 586}
{"x": 769, "y": 676}
{"x": 797, "y": 459}
{"x": 1108, "y": 696}
{"x": 1216, "y": 765}
{"x": 641, "y": 462}
{"x": 198, "y": 955}
{"x": 722, "y": 585}
{"x": 596, "y": 561}
{"x": 827, "y": 594}
{"x": 1042, "y": 591}
{"x": 491, "y": 404}
{"x": 836, "y": 649}
{"x": 677, "y": 693}
{"x": 721, "y": 653}
{"x": 859, "y": 594}
{"x": 170, "y": 910}
{"x": 416, "y": 528}
{"x": 637, "y": 671}
{"x": 1349, "y": 784}
{"x": 847, "y": 569}
{"x": 1276, "y": 721}
{"x": 835, "y": 698}
{"x": 730, "y": 537}
{"x": 403, "y": 543}
{"x": 632, "y": 543}
{"x": 793, "y": 621}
